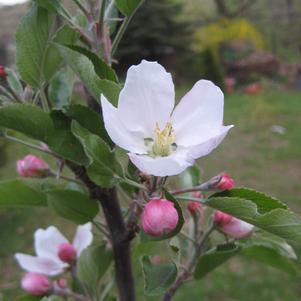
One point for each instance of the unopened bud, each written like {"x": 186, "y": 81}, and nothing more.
{"x": 232, "y": 226}
{"x": 225, "y": 183}
{"x": 192, "y": 206}
{"x": 3, "y": 73}
{"x": 32, "y": 166}
{"x": 66, "y": 252}
{"x": 36, "y": 284}
{"x": 159, "y": 217}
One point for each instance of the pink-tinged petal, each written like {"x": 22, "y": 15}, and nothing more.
{"x": 40, "y": 265}
{"x": 47, "y": 242}
{"x": 83, "y": 238}
{"x": 36, "y": 284}
{"x": 199, "y": 115}
{"x": 147, "y": 97}
{"x": 208, "y": 146}
{"x": 237, "y": 228}
{"x": 32, "y": 166}
{"x": 162, "y": 166}
{"x": 131, "y": 141}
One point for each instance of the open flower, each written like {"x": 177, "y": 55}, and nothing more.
{"x": 49, "y": 245}
{"x": 163, "y": 140}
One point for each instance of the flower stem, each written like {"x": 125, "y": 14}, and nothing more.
{"x": 190, "y": 265}
{"x": 207, "y": 186}
{"x": 69, "y": 294}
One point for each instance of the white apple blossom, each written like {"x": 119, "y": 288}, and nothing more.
{"x": 47, "y": 243}
{"x": 163, "y": 140}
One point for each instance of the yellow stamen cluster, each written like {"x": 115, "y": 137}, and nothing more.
{"x": 163, "y": 143}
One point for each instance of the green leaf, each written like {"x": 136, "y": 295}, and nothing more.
{"x": 190, "y": 177}
{"x": 103, "y": 169}
{"x": 214, "y": 258}
{"x": 60, "y": 88}
{"x": 92, "y": 265}
{"x": 270, "y": 256}
{"x": 27, "y": 119}
{"x": 103, "y": 70}
{"x": 19, "y": 192}
{"x": 128, "y": 7}
{"x": 63, "y": 142}
{"x": 84, "y": 68}
{"x": 52, "y": 58}
{"x": 14, "y": 81}
{"x": 73, "y": 205}
{"x": 89, "y": 120}
{"x": 157, "y": 278}
{"x": 31, "y": 41}
{"x": 54, "y": 6}
{"x": 260, "y": 210}
{"x": 263, "y": 202}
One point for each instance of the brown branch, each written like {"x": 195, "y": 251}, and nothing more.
{"x": 120, "y": 238}
{"x": 189, "y": 266}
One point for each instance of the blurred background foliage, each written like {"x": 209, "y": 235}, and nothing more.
{"x": 252, "y": 50}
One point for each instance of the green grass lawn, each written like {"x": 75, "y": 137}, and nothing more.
{"x": 252, "y": 153}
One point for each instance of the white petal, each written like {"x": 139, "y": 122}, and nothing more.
{"x": 130, "y": 141}
{"x": 40, "y": 265}
{"x": 83, "y": 238}
{"x": 162, "y": 166}
{"x": 147, "y": 97}
{"x": 47, "y": 242}
{"x": 208, "y": 146}
{"x": 199, "y": 115}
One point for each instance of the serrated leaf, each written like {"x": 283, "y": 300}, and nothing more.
{"x": 103, "y": 70}
{"x": 62, "y": 141}
{"x": 260, "y": 210}
{"x": 19, "y": 192}
{"x": 14, "y": 81}
{"x": 52, "y": 59}
{"x": 32, "y": 37}
{"x": 60, "y": 88}
{"x": 27, "y": 119}
{"x": 54, "y": 6}
{"x": 92, "y": 265}
{"x": 84, "y": 68}
{"x": 103, "y": 168}
{"x": 73, "y": 205}
{"x": 157, "y": 278}
{"x": 214, "y": 258}
{"x": 89, "y": 120}
{"x": 128, "y": 7}
{"x": 263, "y": 202}
{"x": 268, "y": 255}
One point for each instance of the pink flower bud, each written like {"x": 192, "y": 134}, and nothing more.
{"x": 232, "y": 226}
{"x": 159, "y": 217}
{"x": 226, "y": 182}
{"x": 66, "y": 252}
{"x": 36, "y": 284}
{"x": 3, "y": 74}
{"x": 194, "y": 207}
{"x": 32, "y": 166}
{"x": 62, "y": 283}
{"x": 221, "y": 218}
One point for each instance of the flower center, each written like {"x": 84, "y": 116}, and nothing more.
{"x": 163, "y": 143}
